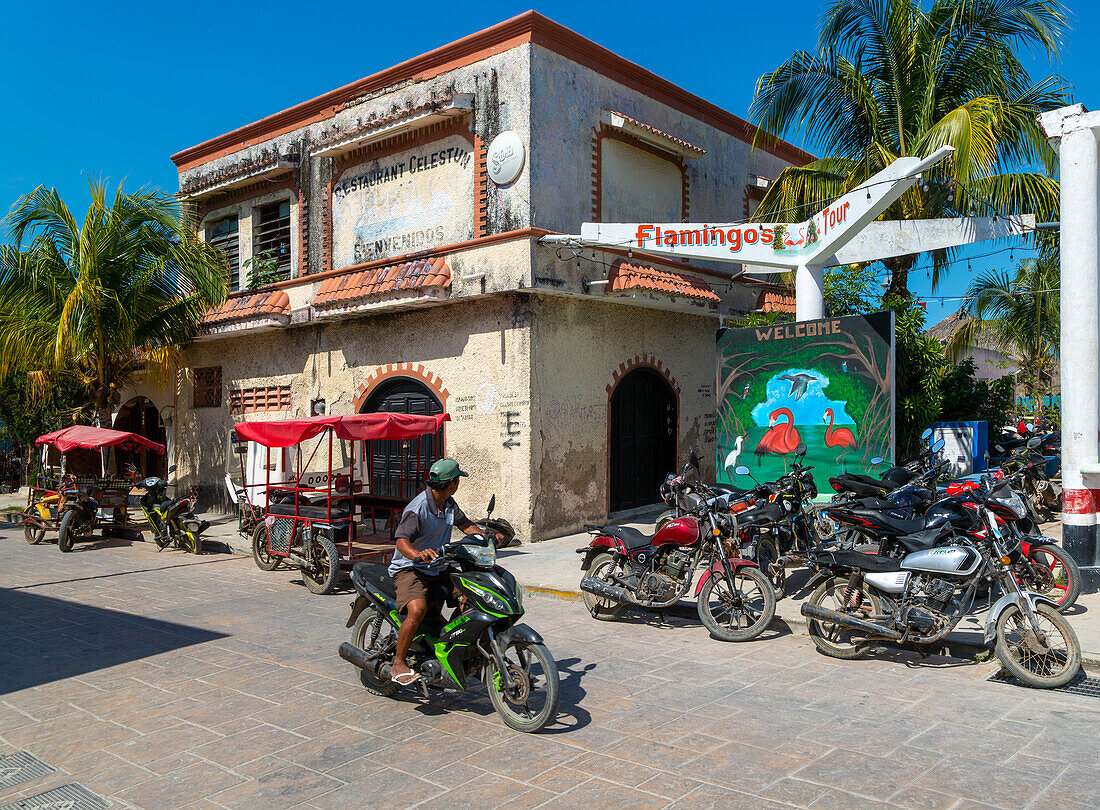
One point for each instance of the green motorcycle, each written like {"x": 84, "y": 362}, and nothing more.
{"x": 481, "y": 640}
{"x": 172, "y": 520}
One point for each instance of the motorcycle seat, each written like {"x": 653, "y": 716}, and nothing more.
{"x": 729, "y": 489}
{"x": 921, "y": 541}
{"x": 883, "y": 522}
{"x": 377, "y": 576}
{"x": 306, "y": 511}
{"x": 631, "y": 538}
{"x": 857, "y": 559}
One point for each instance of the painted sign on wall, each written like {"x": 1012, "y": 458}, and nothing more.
{"x": 403, "y": 203}
{"x": 828, "y": 384}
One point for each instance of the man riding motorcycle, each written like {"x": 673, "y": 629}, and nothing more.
{"x": 418, "y": 575}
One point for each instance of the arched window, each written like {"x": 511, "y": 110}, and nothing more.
{"x": 141, "y": 416}
{"x": 398, "y": 469}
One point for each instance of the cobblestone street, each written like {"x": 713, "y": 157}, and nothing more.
{"x": 163, "y": 680}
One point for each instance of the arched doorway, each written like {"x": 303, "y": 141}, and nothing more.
{"x": 398, "y": 468}
{"x": 141, "y": 416}
{"x": 643, "y": 423}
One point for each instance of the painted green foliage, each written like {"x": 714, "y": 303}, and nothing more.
{"x": 845, "y": 366}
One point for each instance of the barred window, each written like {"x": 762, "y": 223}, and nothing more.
{"x": 271, "y": 236}
{"x": 224, "y": 235}
{"x": 208, "y": 387}
{"x": 258, "y": 400}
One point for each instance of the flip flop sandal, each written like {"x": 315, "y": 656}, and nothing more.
{"x": 405, "y": 678}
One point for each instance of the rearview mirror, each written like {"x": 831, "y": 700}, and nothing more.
{"x": 492, "y": 504}
{"x": 999, "y": 448}
{"x": 742, "y": 470}
{"x": 937, "y": 446}
{"x": 1033, "y": 442}
{"x": 172, "y": 469}
{"x": 800, "y": 450}
{"x": 876, "y": 460}
{"x": 1031, "y": 426}
{"x": 927, "y": 434}
{"x": 693, "y": 460}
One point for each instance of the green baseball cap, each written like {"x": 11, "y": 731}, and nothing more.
{"x": 444, "y": 471}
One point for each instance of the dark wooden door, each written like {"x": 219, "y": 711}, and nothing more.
{"x": 643, "y": 429}
{"x": 398, "y": 468}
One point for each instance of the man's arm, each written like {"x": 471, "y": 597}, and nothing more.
{"x": 407, "y": 529}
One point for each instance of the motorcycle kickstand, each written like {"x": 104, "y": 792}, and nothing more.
{"x": 423, "y": 689}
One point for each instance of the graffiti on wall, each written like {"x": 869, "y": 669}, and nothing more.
{"x": 827, "y": 384}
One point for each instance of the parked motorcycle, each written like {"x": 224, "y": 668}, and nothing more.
{"x": 625, "y": 567}
{"x": 172, "y": 520}
{"x": 482, "y": 639}
{"x": 864, "y": 599}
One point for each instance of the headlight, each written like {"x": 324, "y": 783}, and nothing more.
{"x": 485, "y": 556}
{"x": 1016, "y": 504}
{"x": 490, "y": 598}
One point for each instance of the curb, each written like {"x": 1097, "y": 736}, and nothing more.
{"x": 958, "y": 649}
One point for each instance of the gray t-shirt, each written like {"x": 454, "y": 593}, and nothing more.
{"x": 426, "y": 526}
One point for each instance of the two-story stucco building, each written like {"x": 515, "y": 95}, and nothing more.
{"x": 403, "y": 215}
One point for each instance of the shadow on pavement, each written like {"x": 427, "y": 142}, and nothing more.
{"x": 48, "y": 639}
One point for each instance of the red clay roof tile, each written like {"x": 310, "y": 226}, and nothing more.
{"x": 273, "y": 304}
{"x": 358, "y": 286}
{"x": 625, "y": 276}
{"x": 678, "y": 141}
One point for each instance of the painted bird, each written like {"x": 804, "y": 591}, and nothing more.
{"x": 731, "y": 459}
{"x": 840, "y": 437}
{"x": 781, "y": 439}
{"x": 799, "y": 383}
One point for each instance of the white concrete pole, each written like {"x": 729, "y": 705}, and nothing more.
{"x": 809, "y": 292}
{"x": 1073, "y": 132}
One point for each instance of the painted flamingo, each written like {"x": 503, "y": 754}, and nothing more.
{"x": 781, "y": 439}
{"x": 839, "y": 437}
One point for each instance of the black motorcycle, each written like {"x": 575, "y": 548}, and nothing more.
{"x": 482, "y": 639}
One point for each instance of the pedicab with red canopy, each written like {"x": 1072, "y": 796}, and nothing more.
{"x": 83, "y": 500}
{"x": 319, "y": 517}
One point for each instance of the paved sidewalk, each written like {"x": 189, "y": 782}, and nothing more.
{"x": 165, "y": 680}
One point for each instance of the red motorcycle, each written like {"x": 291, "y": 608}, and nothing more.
{"x": 625, "y": 567}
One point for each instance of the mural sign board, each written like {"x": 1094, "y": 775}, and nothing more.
{"x": 828, "y": 384}
{"x": 404, "y": 203}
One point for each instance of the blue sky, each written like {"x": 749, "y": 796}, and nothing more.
{"x": 113, "y": 89}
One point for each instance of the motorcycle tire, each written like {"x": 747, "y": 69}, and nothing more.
{"x": 360, "y": 637}
{"x": 33, "y": 534}
{"x": 760, "y": 619}
{"x": 521, "y": 658}
{"x": 766, "y": 556}
{"x": 602, "y": 609}
{"x": 261, "y": 555}
{"x": 65, "y": 533}
{"x": 324, "y": 580}
{"x": 1056, "y": 668}
{"x": 1064, "y": 593}
{"x": 837, "y": 642}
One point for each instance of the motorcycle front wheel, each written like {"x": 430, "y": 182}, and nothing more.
{"x": 322, "y": 579}
{"x": 741, "y": 614}
{"x": 1045, "y": 661}
{"x": 71, "y": 524}
{"x": 526, "y": 696}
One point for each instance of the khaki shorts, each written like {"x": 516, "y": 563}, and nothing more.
{"x": 410, "y": 584}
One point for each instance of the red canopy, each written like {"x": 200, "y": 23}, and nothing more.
{"x": 93, "y": 438}
{"x": 358, "y": 427}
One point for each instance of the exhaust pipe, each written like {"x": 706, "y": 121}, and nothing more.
{"x": 846, "y": 620}
{"x": 361, "y": 658}
{"x": 605, "y": 590}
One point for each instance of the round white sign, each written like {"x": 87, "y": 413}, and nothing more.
{"x": 486, "y": 398}
{"x": 505, "y": 158}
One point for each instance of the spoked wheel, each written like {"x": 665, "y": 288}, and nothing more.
{"x": 526, "y": 696}
{"x": 842, "y": 642}
{"x": 373, "y": 632}
{"x": 321, "y": 578}
{"x": 261, "y": 554}
{"x": 33, "y": 534}
{"x": 606, "y": 610}
{"x": 1044, "y": 657}
{"x": 1050, "y": 571}
{"x": 741, "y": 614}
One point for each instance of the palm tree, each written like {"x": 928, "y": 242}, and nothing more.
{"x": 890, "y": 79}
{"x": 1019, "y": 315}
{"x": 103, "y": 300}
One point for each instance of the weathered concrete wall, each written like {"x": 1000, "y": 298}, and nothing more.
{"x": 579, "y": 347}
{"x": 638, "y": 186}
{"x": 477, "y": 352}
{"x": 501, "y": 87}
{"x": 567, "y": 100}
